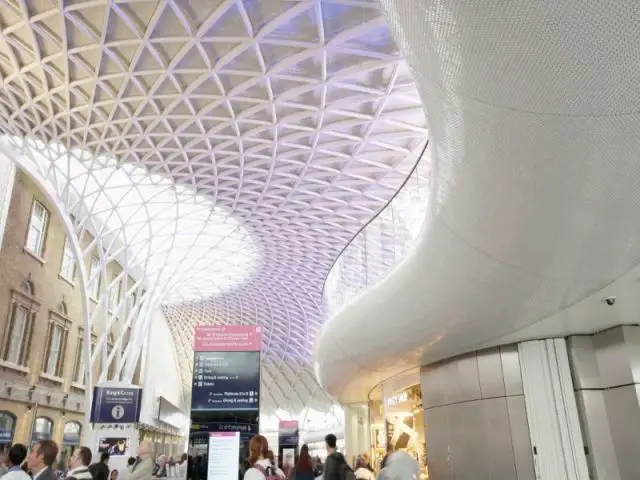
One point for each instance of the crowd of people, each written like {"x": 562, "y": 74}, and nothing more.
{"x": 261, "y": 465}
{"x": 40, "y": 464}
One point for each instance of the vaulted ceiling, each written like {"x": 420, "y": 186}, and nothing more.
{"x": 294, "y": 119}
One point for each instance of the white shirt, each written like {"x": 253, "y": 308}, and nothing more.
{"x": 16, "y": 475}
{"x": 255, "y": 474}
{"x": 364, "y": 474}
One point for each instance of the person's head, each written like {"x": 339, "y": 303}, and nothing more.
{"x": 361, "y": 462}
{"x": 258, "y": 449}
{"x": 331, "y": 442}
{"x": 184, "y": 457}
{"x": 104, "y": 458}
{"x": 114, "y": 474}
{"x": 17, "y": 454}
{"x": 145, "y": 449}
{"x": 131, "y": 461}
{"x": 42, "y": 455}
{"x": 81, "y": 458}
{"x": 304, "y": 460}
{"x": 365, "y": 455}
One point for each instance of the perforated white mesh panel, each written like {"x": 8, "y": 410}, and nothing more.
{"x": 290, "y": 120}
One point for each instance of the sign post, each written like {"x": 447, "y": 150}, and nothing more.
{"x": 288, "y": 440}
{"x": 225, "y": 394}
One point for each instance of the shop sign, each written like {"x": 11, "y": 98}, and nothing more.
{"x": 396, "y": 399}
{"x": 116, "y": 405}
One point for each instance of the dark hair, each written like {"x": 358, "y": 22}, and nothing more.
{"x": 304, "y": 461}
{"x": 184, "y": 457}
{"x": 85, "y": 456}
{"x": 258, "y": 447}
{"x": 49, "y": 451}
{"x": 331, "y": 440}
{"x": 17, "y": 454}
{"x": 131, "y": 461}
{"x": 104, "y": 456}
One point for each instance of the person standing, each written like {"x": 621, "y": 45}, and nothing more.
{"x": 335, "y": 466}
{"x": 79, "y": 465}
{"x": 41, "y": 459}
{"x": 15, "y": 457}
{"x": 100, "y": 470}
{"x": 143, "y": 468}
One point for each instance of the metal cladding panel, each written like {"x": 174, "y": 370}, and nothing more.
{"x": 612, "y": 358}
{"x": 520, "y": 438}
{"x": 467, "y": 386}
{"x": 438, "y": 442}
{"x": 624, "y": 420}
{"x": 511, "y": 370}
{"x": 470, "y": 436}
{"x": 584, "y": 364}
{"x": 490, "y": 373}
{"x": 601, "y": 455}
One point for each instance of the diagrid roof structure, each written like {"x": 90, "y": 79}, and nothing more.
{"x": 224, "y": 152}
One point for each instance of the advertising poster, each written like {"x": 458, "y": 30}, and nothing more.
{"x": 114, "y": 446}
{"x": 223, "y": 456}
{"x": 116, "y": 405}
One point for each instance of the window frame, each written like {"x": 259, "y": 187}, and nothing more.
{"x": 20, "y": 299}
{"x": 66, "y": 249}
{"x": 94, "y": 293}
{"x": 79, "y": 360}
{"x": 56, "y": 321}
{"x": 39, "y": 251}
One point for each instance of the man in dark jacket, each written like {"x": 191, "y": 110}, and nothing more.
{"x": 100, "y": 470}
{"x": 335, "y": 466}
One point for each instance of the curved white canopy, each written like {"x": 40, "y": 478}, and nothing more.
{"x": 534, "y": 130}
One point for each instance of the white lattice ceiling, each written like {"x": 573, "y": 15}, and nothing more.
{"x": 295, "y": 117}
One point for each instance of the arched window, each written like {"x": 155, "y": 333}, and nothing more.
{"x": 62, "y": 309}
{"x": 42, "y": 429}
{"x": 71, "y": 434}
{"x": 7, "y": 427}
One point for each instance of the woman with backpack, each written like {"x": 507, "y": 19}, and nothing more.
{"x": 260, "y": 467}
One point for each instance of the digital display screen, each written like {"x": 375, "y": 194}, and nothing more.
{"x": 226, "y": 381}
{"x": 114, "y": 446}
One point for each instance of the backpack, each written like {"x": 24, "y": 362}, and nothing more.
{"x": 346, "y": 473}
{"x": 269, "y": 473}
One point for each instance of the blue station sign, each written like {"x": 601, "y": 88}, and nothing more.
{"x": 116, "y": 405}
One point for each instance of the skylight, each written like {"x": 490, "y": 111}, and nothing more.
{"x": 181, "y": 242}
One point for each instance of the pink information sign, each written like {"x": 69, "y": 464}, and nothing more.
{"x": 288, "y": 424}
{"x": 228, "y": 338}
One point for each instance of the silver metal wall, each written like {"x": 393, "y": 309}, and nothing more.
{"x": 475, "y": 417}
{"x": 606, "y": 377}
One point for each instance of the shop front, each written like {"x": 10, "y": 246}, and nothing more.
{"x": 397, "y": 420}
